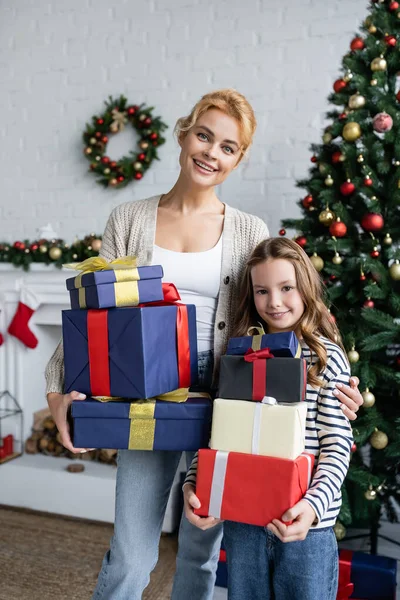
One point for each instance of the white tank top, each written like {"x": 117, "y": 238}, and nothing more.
{"x": 197, "y": 276}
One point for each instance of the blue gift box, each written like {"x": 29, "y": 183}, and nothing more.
{"x": 127, "y": 352}
{"x": 113, "y": 276}
{"x": 282, "y": 345}
{"x": 373, "y": 577}
{"x": 124, "y": 293}
{"x": 142, "y": 425}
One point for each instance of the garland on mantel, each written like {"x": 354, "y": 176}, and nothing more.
{"x": 55, "y": 251}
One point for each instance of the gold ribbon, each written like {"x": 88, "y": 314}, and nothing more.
{"x": 82, "y": 297}
{"x": 126, "y": 293}
{"x": 256, "y": 341}
{"x": 179, "y": 395}
{"x": 142, "y": 426}
{"x": 125, "y": 268}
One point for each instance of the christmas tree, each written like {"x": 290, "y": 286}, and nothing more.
{"x": 350, "y": 227}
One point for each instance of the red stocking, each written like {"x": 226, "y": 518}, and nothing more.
{"x": 19, "y": 326}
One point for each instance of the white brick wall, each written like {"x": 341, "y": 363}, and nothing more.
{"x": 60, "y": 60}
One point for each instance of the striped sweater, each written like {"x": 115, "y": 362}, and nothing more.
{"x": 328, "y": 437}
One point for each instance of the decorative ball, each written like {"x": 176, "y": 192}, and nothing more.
{"x": 370, "y": 494}
{"x": 131, "y": 110}
{"x": 141, "y": 157}
{"x": 348, "y": 76}
{"x": 368, "y": 181}
{"x": 353, "y": 356}
{"x": 88, "y": 151}
{"x": 398, "y": 96}
{"x": 372, "y": 29}
{"x": 107, "y": 171}
{"x": 105, "y": 160}
{"x": 43, "y": 248}
{"x": 382, "y": 122}
{"x": 347, "y": 188}
{"x": 113, "y": 182}
{"x": 314, "y": 159}
{"x": 372, "y": 222}
{"x": 369, "y": 398}
{"x": 360, "y": 158}
{"x": 362, "y": 276}
{"x": 375, "y": 253}
{"x": 337, "y": 157}
{"x": 357, "y": 44}
{"x": 92, "y": 140}
{"x": 326, "y": 138}
{"x": 317, "y": 262}
{"x": 154, "y": 136}
{"x": 393, "y": 6}
{"x": 282, "y": 232}
{"x": 379, "y": 440}
{"x": 326, "y": 217}
{"x": 137, "y": 165}
{"x": 342, "y": 116}
{"x": 373, "y": 82}
{"x": 144, "y": 145}
{"x": 55, "y": 253}
{"x": 351, "y": 131}
{"x": 394, "y": 270}
{"x": 138, "y": 175}
{"x": 301, "y": 241}
{"x": 369, "y": 303}
{"x": 104, "y": 139}
{"x": 96, "y": 245}
{"x": 338, "y": 228}
{"x": 339, "y": 85}
{"x": 390, "y": 40}
{"x": 353, "y": 447}
{"x": 307, "y": 201}
{"x": 356, "y": 101}
{"x": 340, "y": 530}
{"x": 337, "y": 259}
{"x": 379, "y": 64}
{"x": 34, "y": 247}
{"x": 387, "y": 240}
{"x": 329, "y": 181}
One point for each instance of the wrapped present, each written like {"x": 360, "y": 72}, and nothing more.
{"x": 366, "y": 576}
{"x": 269, "y": 429}
{"x": 130, "y": 352}
{"x": 143, "y": 424}
{"x": 282, "y": 345}
{"x": 248, "y": 488}
{"x": 258, "y": 374}
{"x": 222, "y": 570}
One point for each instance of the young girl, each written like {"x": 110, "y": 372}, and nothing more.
{"x": 282, "y": 289}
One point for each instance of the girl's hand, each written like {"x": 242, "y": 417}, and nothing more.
{"x": 191, "y": 501}
{"x": 303, "y": 516}
{"x": 59, "y": 404}
{"x": 350, "y": 397}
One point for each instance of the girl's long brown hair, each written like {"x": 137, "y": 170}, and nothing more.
{"x": 316, "y": 320}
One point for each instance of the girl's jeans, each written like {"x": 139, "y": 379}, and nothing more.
{"x": 144, "y": 481}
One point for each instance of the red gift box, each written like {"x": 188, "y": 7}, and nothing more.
{"x": 249, "y": 488}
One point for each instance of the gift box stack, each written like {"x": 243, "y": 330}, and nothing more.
{"x": 131, "y": 347}
{"x": 256, "y": 467}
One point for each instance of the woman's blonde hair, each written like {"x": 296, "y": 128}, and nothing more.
{"x": 316, "y": 320}
{"x": 231, "y": 103}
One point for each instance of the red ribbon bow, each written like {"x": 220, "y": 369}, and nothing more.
{"x": 259, "y": 360}
{"x": 346, "y": 588}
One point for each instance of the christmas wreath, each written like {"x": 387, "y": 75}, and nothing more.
{"x": 118, "y": 114}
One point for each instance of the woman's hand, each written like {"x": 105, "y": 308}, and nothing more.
{"x": 59, "y": 404}
{"x": 350, "y": 397}
{"x": 191, "y": 501}
{"x": 303, "y": 516}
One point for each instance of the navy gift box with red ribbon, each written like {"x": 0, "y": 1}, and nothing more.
{"x": 282, "y": 345}
{"x": 137, "y": 352}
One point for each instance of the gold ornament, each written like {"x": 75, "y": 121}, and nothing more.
{"x": 394, "y": 270}
{"x": 92, "y": 141}
{"x": 107, "y": 171}
{"x": 340, "y": 530}
{"x": 387, "y": 240}
{"x": 74, "y": 256}
{"x": 88, "y": 150}
{"x": 353, "y": 356}
{"x": 317, "y": 262}
{"x": 96, "y": 245}
{"x": 374, "y": 82}
{"x": 144, "y": 145}
{"x": 379, "y": 440}
{"x": 329, "y": 181}
{"x": 55, "y": 253}
{"x": 372, "y": 29}
{"x": 379, "y": 64}
{"x": 27, "y": 250}
{"x": 360, "y": 158}
{"x": 337, "y": 259}
{"x": 113, "y": 182}
{"x": 356, "y": 101}
{"x": 327, "y": 137}
{"x": 397, "y": 163}
{"x": 43, "y": 248}
{"x": 370, "y": 494}
{"x": 98, "y": 158}
{"x": 351, "y": 131}
{"x": 369, "y": 398}
{"x": 142, "y": 117}
{"x": 347, "y": 76}
{"x": 137, "y": 166}
{"x": 322, "y": 168}
{"x": 326, "y": 217}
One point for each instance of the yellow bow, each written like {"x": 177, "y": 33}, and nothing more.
{"x": 97, "y": 263}
{"x": 119, "y": 119}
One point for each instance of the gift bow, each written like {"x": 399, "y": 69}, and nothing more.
{"x": 252, "y": 355}
{"x": 120, "y": 119}
{"x": 97, "y": 263}
{"x": 259, "y": 360}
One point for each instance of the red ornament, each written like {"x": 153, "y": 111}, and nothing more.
{"x": 368, "y": 181}
{"x": 147, "y": 121}
{"x": 301, "y": 240}
{"x": 339, "y": 85}
{"x": 314, "y": 159}
{"x": 105, "y": 160}
{"x": 336, "y": 156}
{"x": 307, "y": 201}
{"x": 375, "y": 253}
{"x": 357, "y": 44}
{"x": 372, "y": 222}
{"x": 369, "y": 303}
{"x": 113, "y": 164}
{"x": 131, "y": 110}
{"x": 141, "y": 156}
{"x": 342, "y": 116}
{"x": 362, "y": 277}
{"x": 282, "y": 232}
{"x": 354, "y": 447}
{"x": 347, "y": 188}
{"x": 100, "y": 121}
{"x": 338, "y": 229}
{"x": 93, "y": 166}
{"x": 332, "y": 277}
{"x": 104, "y": 139}
{"x": 153, "y": 136}
{"x": 382, "y": 122}
{"x": 393, "y": 6}
{"x": 120, "y": 179}
{"x": 17, "y": 245}
{"x": 34, "y": 247}
{"x": 398, "y": 96}
{"x": 138, "y": 175}
{"x": 390, "y": 40}
{"x": 98, "y": 134}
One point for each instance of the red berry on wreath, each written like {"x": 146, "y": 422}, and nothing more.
{"x": 301, "y": 241}
{"x": 100, "y": 121}
{"x": 120, "y": 179}
{"x": 339, "y": 85}
{"x": 131, "y": 110}
{"x": 368, "y": 181}
{"x": 141, "y": 156}
{"x": 369, "y": 303}
{"x": 347, "y": 188}
{"x": 153, "y": 136}
{"x": 282, "y": 232}
{"x": 338, "y": 228}
{"x": 393, "y": 6}
{"x": 138, "y": 175}
{"x": 147, "y": 121}
{"x": 372, "y": 222}
{"x": 105, "y": 160}
{"x": 17, "y": 245}
{"x": 357, "y": 44}
{"x": 104, "y": 139}
{"x": 98, "y": 134}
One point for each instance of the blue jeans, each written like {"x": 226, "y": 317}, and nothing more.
{"x": 261, "y": 567}
{"x": 144, "y": 481}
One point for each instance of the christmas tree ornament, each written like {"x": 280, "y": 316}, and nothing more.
{"x": 372, "y": 222}
{"x": 375, "y": 253}
{"x": 337, "y": 157}
{"x": 368, "y": 397}
{"x": 342, "y": 116}
{"x": 362, "y": 276}
{"x": 351, "y": 131}
{"x": 301, "y": 241}
{"x": 138, "y": 175}
{"x": 326, "y": 217}
{"x": 55, "y": 253}
{"x": 322, "y": 168}
{"x": 338, "y": 228}
{"x": 357, "y": 44}
{"x": 314, "y": 159}
{"x": 327, "y": 137}
{"x": 88, "y": 151}
{"x": 368, "y": 181}
{"x": 356, "y": 101}
{"x": 328, "y": 180}
{"x": 93, "y": 140}
{"x": 144, "y": 145}
{"x": 113, "y": 182}
{"x": 387, "y": 240}
{"x": 382, "y": 122}
{"x": 372, "y": 29}
{"x": 370, "y": 494}
{"x": 394, "y": 271}
{"x": 379, "y": 64}
{"x": 337, "y": 259}
{"x": 317, "y": 262}
{"x": 339, "y": 85}
{"x": 347, "y": 188}
{"x": 107, "y": 171}
{"x": 353, "y": 356}
{"x": 393, "y": 6}
{"x": 360, "y": 158}
{"x": 137, "y": 166}
{"x": 373, "y": 82}
{"x": 353, "y": 447}
{"x": 105, "y": 160}
{"x": 340, "y": 530}
{"x": 348, "y": 76}
{"x": 390, "y": 40}
{"x": 307, "y": 201}
{"x": 369, "y": 303}
{"x": 332, "y": 278}
{"x": 43, "y": 248}
{"x": 379, "y": 440}
{"x": 282, "y": 232}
